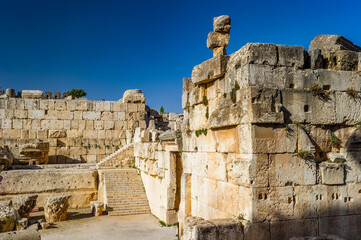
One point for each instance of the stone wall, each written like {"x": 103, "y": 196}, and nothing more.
{"x": 81, "y": 184}
{"x": 271, "y": 135}
{"x": 77, "y": 130}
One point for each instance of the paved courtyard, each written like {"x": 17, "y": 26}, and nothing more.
{"x": 82, "y": 226}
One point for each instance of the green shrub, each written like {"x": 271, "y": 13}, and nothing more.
{"x": 76, "y": 93}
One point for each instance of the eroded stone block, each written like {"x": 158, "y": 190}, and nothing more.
{"x": 209, "y": 70}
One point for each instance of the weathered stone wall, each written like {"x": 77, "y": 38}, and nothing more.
{"x": 77, "y": 130}
{"x": 81, "y": 184}
{"x": 271, "y": 135}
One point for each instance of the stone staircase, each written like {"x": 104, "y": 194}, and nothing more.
{"x": 124, "y": 157}
{"x": 125, "y": 192}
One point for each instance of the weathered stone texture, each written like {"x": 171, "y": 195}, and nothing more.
{"x": 56, "y": 208}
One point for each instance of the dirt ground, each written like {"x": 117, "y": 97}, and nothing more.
{"x": 82, "y": 226}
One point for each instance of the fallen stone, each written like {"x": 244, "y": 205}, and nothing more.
{"x": 24, "y": 204}
{"x": 56, "y": 208}
{"x": 21, "y": 223}
{"x": 333, "y": 43}
{"x": 6, "y": 158}
{"x": 133, "y": 96}
{"x": 222, "y": 24}
{"x": 97, "y": 208}
{"x": 32, "y": 94}
{"x": 33, "y": 152}
{"x": 44, "y": 225}
{"x": 28, "y": 234}
{"x": 8, "y": 216}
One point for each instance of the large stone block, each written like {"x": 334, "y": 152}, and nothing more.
{"x": 257, "y": 53}
{"x": 209, "y": 70}
{"x": 293, "y": 228}
{"x": 332, "y": 173}
{"x": 133, "y": 96}
{"x": 341, "y": 60}
{"x": 346, "y": 227}
{"x": 33, "y": 94}
{"x": 333, "y": 43}
{"x": 290, "y": 170}
{"x": 291, "y": 56}
{"x": 217, "y": 39}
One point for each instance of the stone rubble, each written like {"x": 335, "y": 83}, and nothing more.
{"x": 24, "y": 204}
{"x": 56, "y": 208}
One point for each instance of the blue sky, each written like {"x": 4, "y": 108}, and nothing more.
{"x": 106, "y": 47}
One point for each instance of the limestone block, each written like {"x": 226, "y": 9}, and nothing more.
{"x": 274, "y": 140}
{"x": 102, "y": 106}
{"x": 347, "y": 109}
{"x": 97, "y": 208}
{"x": 222, "y": 24}
{"x": 217, "y": 39}
{"x": 17, "y": 124}
{"x": 332, "y": 173}
{"x": 8, "y": 216}
{"x": 304, "y": 141}
{"x": 89, "y": 125}
{"x": 91, "y": 115}
{"x": 232, "y": 199}
{"x": 56, "y": 207}
{"x": 272, "y": 203}
{"x": 256, "y": 53}
{"x": 65, "y": 115}
{"x": 133, "y": 96}
{"x": 6, "y": 202}
{"x": 78, "y": 115}
{"x": 309, "y": 201}
{"x": 24, "y": 204}
{"x": 343, "y": 226}
{"x": 218, "y": 229}
{"x": 256, "y": 231}
{"x": 316, "y": 59}
{"x": 32, "y": 94}
{"x": 291, "y": 56}
{"x": 6, "y": 123}
{"x": 19, "y": 113}
{"x": 305, "y": 107}
{"x": 21, "y": 223}
{"x": 248, "y": 169}
{"x": 282, "y": 170}
{"x": 266, "y": 105}
{"x": 109, "y": 125}
{"x": 57, "y": 134}
{"x": 31, "y": 104}
{"x": 333, "y": 43}
{"x": 293, "y": 228}
{"x": 11, "y": 133}
{"x": 52, "y": 124}
{"x": 60, "y": 105}
{"x": 98, "y": 125}
{"x": 118, "y": 107}
{"x": 209, "y": 70}
{"x": 6, "y": 157}
{"x": 217, "y": 164}
{"x": 77, "y": 105}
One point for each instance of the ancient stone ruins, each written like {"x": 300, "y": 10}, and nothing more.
{"x": 268, "y": 147}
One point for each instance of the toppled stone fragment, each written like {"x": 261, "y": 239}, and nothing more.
{"x": 32, "y": 94}
{"x": 56, "y": 208}
{"x": 21, "y": 223}
{"x": 24, "y": 204}
{"x": 133, "y": 96}
{"x": 332, "y": 173}
{"x": 8, "y": 216}
{"x": 33, "y": 152}
{"x": 333, "y": 43}
{"x": 97, "y": 208}
{"x": 290, "y": 56}
{"x": 6, "y": 158}
{"x": 209, "y": 70}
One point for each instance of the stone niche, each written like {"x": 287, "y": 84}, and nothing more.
{"x": 34, "y": 153}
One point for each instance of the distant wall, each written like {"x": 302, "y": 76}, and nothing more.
{"x": 78, "y": 130}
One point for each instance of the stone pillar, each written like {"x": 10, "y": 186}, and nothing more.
{"x": 218, "y": 39}
{"x": 56, "y": 208}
